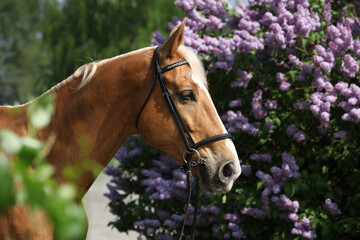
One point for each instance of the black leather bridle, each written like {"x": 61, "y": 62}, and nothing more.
{"x": 191, "y": 146}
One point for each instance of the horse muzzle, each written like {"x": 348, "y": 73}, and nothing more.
{"x": 221, "y": 180}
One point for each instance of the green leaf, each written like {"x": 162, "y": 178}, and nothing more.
{"x": 6, "y": 185}
{"x": 44, "y": 172}
{"x": 66, "y": 192}
{"x": 30, "y": 149}
{"x": 40, "y": 118}
{"x": 260, "y": 185}
{"x": 10, "y": 142}
{"x": 40, "y": 111}
{"x": 224, "y": 199}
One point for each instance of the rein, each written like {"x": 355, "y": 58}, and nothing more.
{"x": 191, "y": 146}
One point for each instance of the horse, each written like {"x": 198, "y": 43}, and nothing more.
{"x": 108, "y": 101}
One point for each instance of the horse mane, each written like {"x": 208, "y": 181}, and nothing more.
{"x": 85, "y": 71}
{"x": 88, "y": 70}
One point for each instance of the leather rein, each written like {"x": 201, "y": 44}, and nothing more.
{"x": 191, "y": 146}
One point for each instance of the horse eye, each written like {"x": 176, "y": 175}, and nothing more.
{"x": 187, "y": 95}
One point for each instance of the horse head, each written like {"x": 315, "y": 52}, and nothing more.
{"x": 187, "y": 86}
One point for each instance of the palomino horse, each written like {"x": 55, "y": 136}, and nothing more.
{"x": 102, "y": 101}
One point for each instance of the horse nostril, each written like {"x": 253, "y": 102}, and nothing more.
{"x": 228, "y": 170}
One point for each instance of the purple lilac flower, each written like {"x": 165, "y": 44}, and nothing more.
{"x": 327, "y": 12}
{"x": 246, "y": 169}
{"x": 235, "y": 103}
{"x": 295, "y": 61}
{"x": 165, "y": 237}
{"x": 284, "y": 203}
{"x": 271, "y": 104}
{"x": 162, "y": 214}
{"x": 291, "y": 130}
{"x": 357, "y": 48}
{"x": 269, "y": 125}
{"x": 238, "y": 234}
{"x": 121, "y": 154}
{"x": 265, "y": 157}
{"x": 236, "y": 122}
{"x": 302, "y": 105}
{"x": 254, "y": 212}
{"x": 171, "y": 224}
{"x": 284, "y": 84}
{"x": 351, "y": 105}
{"x": 303, "y": 228}
{"x": 349, "y": 66}
{"x": 340, "y": 38}
{"x": 332, "y": 207}
{"x": 157, "y": 39}
{"x": 256, "y": 104}
{"x": 300, "y": 136}
{"x": 231, "y": 217}
{"x": 244, "y": 79}
{"x": 135, "y": 152}
{"x": 325, "y": 58}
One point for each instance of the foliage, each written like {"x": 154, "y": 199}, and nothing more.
{"x": 24, "y": 61}
{"x": 47, "y": 40}
{"x": 285, "y": 74}
{"x": 26, "y": 178}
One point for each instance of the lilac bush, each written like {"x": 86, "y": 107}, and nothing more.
{"x": 285, "y": 76}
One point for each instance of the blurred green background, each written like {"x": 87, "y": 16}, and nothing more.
{"x": 42, "y": 42}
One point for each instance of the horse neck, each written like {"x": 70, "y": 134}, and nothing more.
{"x": 99, "y": 117}
{"x": 14, "y": 119}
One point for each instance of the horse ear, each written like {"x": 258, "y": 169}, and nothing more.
{"x": 176, "y": 39}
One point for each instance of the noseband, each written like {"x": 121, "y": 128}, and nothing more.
{"x": 191, "y": 146}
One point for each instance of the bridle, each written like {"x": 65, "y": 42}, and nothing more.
{"x": 191, "y": 146}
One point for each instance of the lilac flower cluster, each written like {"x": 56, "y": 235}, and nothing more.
{"x": 162, "y": 188}
{"x": 332, "y": 207}
{"x": 303, "y": 228}
{"x": 244, "y": 79}
{"x": 340, "y": 40}
{"x": 265, "y": 157}
{"x": 150, "y": 225}
{"x": 274, "y": 183}
{"x": 282, "y": 24}
{"x": 351, "y": 104}
{"x": 237, "y": 121}
{"x": 299, "y": 136}
{"x": 258, "y": 110}
{"x": 284, "y": 84}
{"x": 214, "y": 16}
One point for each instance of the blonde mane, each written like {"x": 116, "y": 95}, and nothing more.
{"x": 88, "y": 70}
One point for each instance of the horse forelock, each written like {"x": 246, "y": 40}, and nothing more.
{"x": 197, "y": 68}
